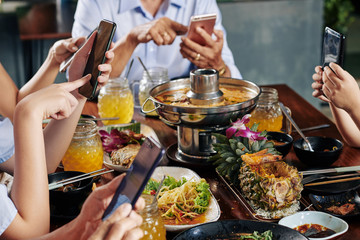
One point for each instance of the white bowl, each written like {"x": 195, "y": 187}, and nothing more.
{"x": 314, "y": 217}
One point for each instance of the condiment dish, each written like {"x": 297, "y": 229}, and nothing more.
{"x": 336, "y": 224}
{"x": 283, "y": 141}
{"x": 66, "y": 204}
{"x": 326, "y": 151}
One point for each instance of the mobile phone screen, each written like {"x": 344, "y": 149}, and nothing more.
{"x": 333, "y": 47}
{"x": 206, "y": 21}
{"x": 102, "y": 41}
{"x": 133, "y": 184}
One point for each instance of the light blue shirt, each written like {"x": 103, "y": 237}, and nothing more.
{"x": 7, "y": 147}
{"x": 7, "y": 209}
{"x": 129, "y": 13}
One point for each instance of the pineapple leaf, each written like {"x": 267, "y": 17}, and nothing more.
{"x": 221, "y": 138}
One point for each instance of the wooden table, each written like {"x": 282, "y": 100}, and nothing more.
{"x": 303, "y": 113}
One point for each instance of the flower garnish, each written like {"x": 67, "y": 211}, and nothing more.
{"x": 117, "y": 139}
{"x": 239, "y": 129}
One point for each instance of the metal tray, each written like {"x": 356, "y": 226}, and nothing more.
{"x": 304, "y": 204}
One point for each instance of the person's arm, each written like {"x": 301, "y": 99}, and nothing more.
{"x": 30, "y": 192}
{"x": 8, "y": 92}
{"x": 65, "y": 128}
{"x": 48, "y": 71}
{"x": 123, "y": 224}
{"x": 343, "y": 92}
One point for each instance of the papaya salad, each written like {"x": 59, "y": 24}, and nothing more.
{"x": 181, "y": 201}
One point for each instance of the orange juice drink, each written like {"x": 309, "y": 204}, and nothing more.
{"x": 116, "y": 100}
{"x": 85, "y": 153}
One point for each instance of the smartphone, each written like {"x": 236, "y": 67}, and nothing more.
{"x": 65, "y": 64}
{"x": 333, "y": 48}
{"x": 205, "y": 21}
{"x": 102, "y": 42}
{"x": 131, "y": 187}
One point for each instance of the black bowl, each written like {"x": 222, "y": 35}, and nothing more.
{"x": 286, "y": 141}
{"x": 326, "y": 151}
{"x": 67, "y": 205}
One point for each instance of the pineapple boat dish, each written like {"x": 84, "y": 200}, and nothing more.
{"x": 250, "y": 163}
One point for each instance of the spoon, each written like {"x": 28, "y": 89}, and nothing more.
{"x": 295, "y": 126}
{"x": 147, "y": 72}
{"x": 128, "y": 71}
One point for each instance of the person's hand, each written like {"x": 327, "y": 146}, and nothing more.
{"x": 78, "y": 64}
{"x": 318, "y": 84}
{"x": 95, "y": 205}
{"x": 64, "y": 48}
{"x": 340, "y": 88}
{"x": 120, "y": 225}
{"x": 162, "y": 31}
{"x": 208, "y": 56}
{"x": 55, "y": 101}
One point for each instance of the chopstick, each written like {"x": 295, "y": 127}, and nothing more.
{"x": 77, "y": 178}
{"x": 332, "y": 170}
{"x": 93, "y": 119}
{"x": 333, "y": 181}
{"x": 100, "y": 119}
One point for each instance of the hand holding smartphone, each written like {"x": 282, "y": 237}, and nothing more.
{"x": 102, "y": 42}
{"x": 133, "y": 184}
{"x": 205, "y": 21}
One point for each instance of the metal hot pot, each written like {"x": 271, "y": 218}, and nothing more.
{"x": 195, "y": 124}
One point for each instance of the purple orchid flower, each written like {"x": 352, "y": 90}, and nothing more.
{"x": 238, "y": 125}
{"x": 240, "y": 130}
{"x": 113, "y": 140}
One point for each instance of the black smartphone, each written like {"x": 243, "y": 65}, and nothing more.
{"x": 205, "y": 21}
{"x": 102, "y": 42}
{"x": 333, "y": 48}
{"x": 131, "y": 187}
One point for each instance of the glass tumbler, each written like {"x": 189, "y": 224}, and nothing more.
{"x": 85, "y": 153}
{"x": 152, "y": 225}
{"x": 116, "y": 100}
{"x": 158, "y": 75}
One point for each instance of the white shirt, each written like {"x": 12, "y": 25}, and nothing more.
{"x": 7, "y": 147}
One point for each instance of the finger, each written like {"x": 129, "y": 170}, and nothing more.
{"x": 318, "y": 70}
{"x": 136, "y": 218}
{"x": 178, "y": 27}
{"x": 108, "y": 190}
{"x": 109, "y": 57}
{"x": 317, "y": 77}
{"x": 208, "y": 39}
{"x": 140, "y": 204}
{"x": 330, "y": 77}
{"x": 71, "y": 86}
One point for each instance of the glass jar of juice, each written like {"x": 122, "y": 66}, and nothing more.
{"x": 267, "y": 111}
{"x": 85, "y": 153}
{"x": 116, "y": 100}
{"x": 152, "y": 225}
{"x": 157, "y": 76}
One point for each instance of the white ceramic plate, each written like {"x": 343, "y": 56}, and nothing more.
{"x": 213, "y": 212}
{"x": 144, "y": 129}
{"x": 324, "y": 219}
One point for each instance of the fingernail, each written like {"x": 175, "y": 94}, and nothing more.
{"x": 75, "y": 48}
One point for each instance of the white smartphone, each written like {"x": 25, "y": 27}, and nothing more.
{"x": 205, "y": 21}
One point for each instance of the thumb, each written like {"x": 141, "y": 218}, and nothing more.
{"x": 70, "y": 86}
